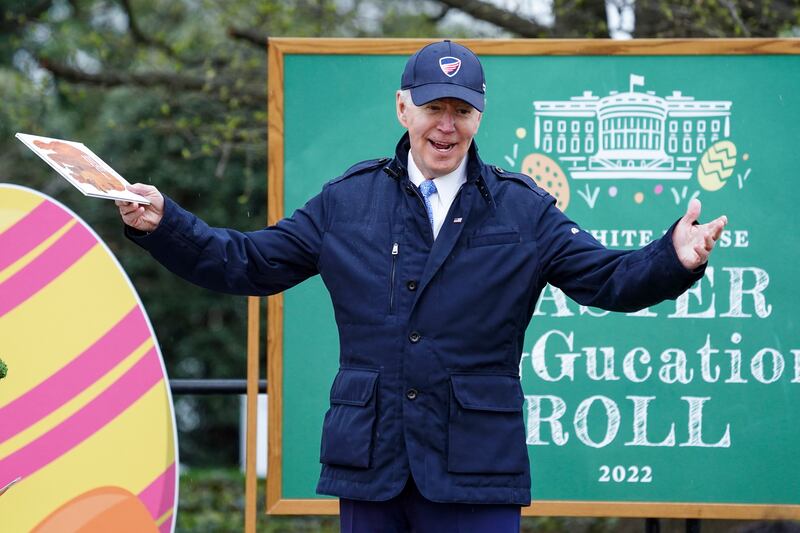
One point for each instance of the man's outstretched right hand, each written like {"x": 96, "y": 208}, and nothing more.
{"x": 140, "y": 216}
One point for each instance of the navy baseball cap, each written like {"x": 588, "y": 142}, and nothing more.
{"x": 445, "y": 70}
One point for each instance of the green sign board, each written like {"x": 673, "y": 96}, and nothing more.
{"x": 685, "y": 409}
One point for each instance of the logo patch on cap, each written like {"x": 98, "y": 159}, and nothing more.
{"x": 449, "y": 65}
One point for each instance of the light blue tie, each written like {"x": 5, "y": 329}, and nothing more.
{"x": 427, "y": 188}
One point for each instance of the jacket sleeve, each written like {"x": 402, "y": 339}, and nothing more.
{"x": 591, "y": 274}
{"x": 260, "y": 262}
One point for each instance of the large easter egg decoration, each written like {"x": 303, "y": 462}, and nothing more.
{"x": 546, "y": 173}
{"x": 100, "y": 510}
{"x": 716, "y": 165}
{"x": 86, "y": 418}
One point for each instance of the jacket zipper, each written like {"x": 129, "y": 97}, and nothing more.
{"x": 395, "y": 251}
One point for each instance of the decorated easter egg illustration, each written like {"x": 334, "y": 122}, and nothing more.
{"x": 549, "y": 176}
{"x": 716, "y": 165}
{"x": 87, "y": 428}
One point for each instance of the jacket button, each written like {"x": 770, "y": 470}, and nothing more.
{"x": 411, "y": 394}
{"x": 412, "y": 285}
{"x": 414, "y": 337}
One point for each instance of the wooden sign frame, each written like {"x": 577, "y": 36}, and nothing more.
{"x": 277, "y": 49}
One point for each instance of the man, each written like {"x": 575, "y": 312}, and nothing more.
{"x": 434, "y": 262}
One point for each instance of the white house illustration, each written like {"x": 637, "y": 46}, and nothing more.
{"x": 632, "y": 135}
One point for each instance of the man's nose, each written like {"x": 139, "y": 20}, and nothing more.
{"x": 447, "y": 122}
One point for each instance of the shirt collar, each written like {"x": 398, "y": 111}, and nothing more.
{"x": 447, "y": 186}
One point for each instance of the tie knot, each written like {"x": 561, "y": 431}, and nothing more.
{"x": 427, "y": 188}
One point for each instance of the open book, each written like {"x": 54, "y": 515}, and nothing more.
{"x": 82, "y": 168}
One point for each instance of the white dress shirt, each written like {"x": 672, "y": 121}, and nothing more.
{"x": 447, "y": 187}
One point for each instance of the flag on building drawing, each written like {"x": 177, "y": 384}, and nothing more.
{"x": 635, "y": 81}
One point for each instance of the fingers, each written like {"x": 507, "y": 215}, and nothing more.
{"x": 694, "y": 242}
{"x": 701, "y": 250}
{"x": 141, "y": 188}
{"x": 148, "y": 191}
{"x": 707, "y": 236}
{"x": 153, "y": 195}
{"x": 702, "y": 253}
{"x": 714, "y": 228}
{"x": 709, "y": 242}
{"x": 125, "y": 206}
{"x": 719, "y": 224}
{"x": 692, "y": 211}
{"x": 130, "y": 208}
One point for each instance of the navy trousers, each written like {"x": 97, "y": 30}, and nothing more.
{"x": 410, "y": 512}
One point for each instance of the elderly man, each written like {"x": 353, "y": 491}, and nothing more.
{"x": 434, "y": 262}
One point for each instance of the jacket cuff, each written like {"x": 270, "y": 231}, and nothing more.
{"x": 674, "y": 267}
{"x": 165, "y": 227}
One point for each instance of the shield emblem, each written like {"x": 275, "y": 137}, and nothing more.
{"x": 449, "y": 65}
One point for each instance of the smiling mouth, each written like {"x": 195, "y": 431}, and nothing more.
{"x": 441, "y": 147}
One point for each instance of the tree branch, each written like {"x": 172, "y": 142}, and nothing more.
{"x": 441, "y": 15}
{"x": 503, "y": 18}
{"x": 13, "y": 22}
{"x": 147, "y": 79}
{"x": 140, "y": 37}
{"x": 736, "y": 18}
{"x": 580, "y": 19}
{"x": 249, "y": 35}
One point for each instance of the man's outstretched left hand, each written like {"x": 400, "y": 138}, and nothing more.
{"x": 693, "y": 242}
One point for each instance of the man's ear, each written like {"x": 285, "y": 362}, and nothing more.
{"x": 401, "y": 110}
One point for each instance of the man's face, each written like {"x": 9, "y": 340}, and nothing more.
{"x": 440, "y": 132}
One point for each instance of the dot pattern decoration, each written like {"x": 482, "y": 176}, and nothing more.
{"x": 546, "y": 173}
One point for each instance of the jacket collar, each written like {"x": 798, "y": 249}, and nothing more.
{"x": 475, "y": 205}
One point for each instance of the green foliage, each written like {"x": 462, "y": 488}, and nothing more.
{"x": 213, "y": 501}
{"x": 715, "y": 18}
{"x": 3, "y": 369}
{"x": 196, "y": 145}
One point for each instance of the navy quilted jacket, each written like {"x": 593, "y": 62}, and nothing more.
{"x": 431, "y": 332}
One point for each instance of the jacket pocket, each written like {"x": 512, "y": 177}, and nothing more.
{"x": 347, "y": 431}
{"x": 486, "y": 430}
{"x": 504, "y": 237}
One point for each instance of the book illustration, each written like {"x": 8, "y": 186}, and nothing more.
{"x": 81, "y": 167}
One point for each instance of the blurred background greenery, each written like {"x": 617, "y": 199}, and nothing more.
{"x": 212, "y": 501}
{"x": 173, "y": 93}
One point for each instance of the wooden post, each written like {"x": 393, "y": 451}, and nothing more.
{"x": 251, "y": 478}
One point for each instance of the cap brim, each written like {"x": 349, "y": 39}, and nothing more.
{"x": 433, "y": 91}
